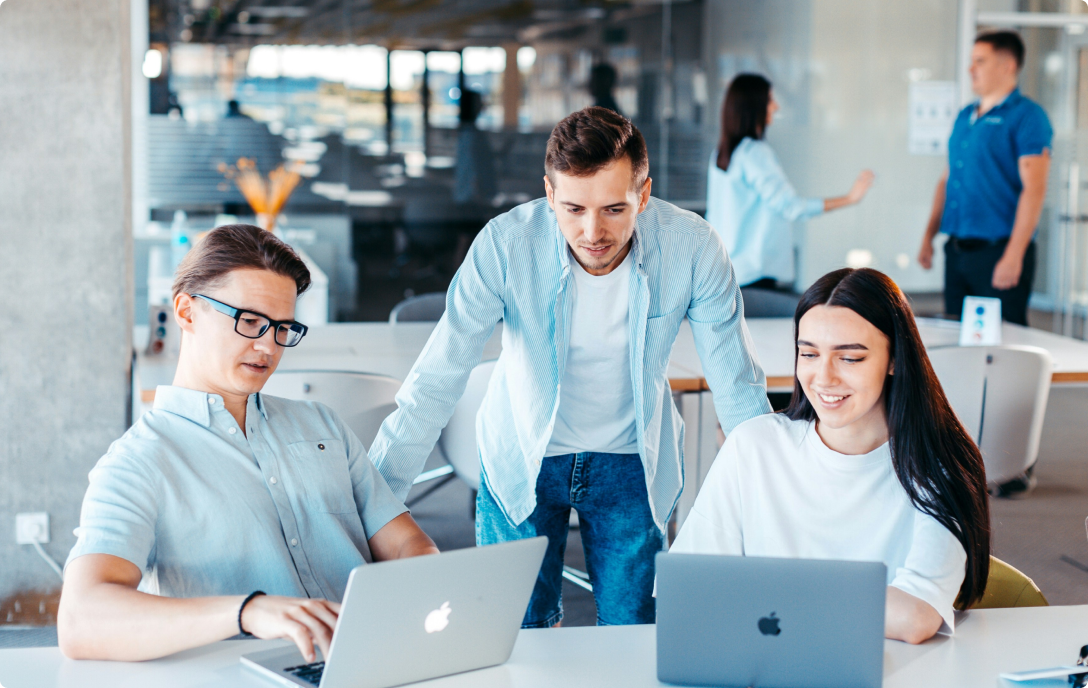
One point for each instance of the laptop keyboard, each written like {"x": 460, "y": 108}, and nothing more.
{"x": 311, "y": 673}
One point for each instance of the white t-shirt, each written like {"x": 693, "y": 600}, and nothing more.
{"x": 776, "y": 490}
{"x": 596, "y": 400}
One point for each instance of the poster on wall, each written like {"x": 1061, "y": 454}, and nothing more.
{"x": 932, "y": 113}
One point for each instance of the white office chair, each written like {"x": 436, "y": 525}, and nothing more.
{"x": 458, "y": 440}
{"x": 362, "y": 400}
{"x": 421, "y": 308}
{"x": 999, "y": 394}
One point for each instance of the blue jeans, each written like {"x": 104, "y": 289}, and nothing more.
{"x": 619, "y": 535}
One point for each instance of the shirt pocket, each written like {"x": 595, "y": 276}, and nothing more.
{"x": 326, "y": 481}
{"x": 661, "y": 334}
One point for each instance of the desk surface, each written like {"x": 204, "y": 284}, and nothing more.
{"x": 987, "y": 642}
{"x": 392, "y": 349}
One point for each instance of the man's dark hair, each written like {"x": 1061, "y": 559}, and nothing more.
{"x": 237, "y": 247}
{"x": 1005, "y": 41}
{"x": 592, "y": 139}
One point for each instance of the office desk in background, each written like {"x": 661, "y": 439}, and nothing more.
{"x": 391, "y": 350}
{"x": 987, "y": 643}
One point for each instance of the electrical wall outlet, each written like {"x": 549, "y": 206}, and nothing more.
{"x": 32, "y": 527}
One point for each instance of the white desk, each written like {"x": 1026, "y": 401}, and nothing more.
{"x": 392, "y": 349}
{"x": 987, "y": 643}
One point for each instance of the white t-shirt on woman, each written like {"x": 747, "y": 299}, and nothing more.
{"x": 776, "y": 490}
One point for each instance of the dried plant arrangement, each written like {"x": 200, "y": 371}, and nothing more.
{"x": 265, "y": 196}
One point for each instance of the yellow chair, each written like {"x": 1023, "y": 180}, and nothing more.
{"x": 1008, "y": 587}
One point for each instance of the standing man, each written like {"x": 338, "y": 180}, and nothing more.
{"x": 591, "y": 284}
{"x": 989, "y": 200}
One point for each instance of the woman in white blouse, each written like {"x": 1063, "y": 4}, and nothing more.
{"x": 868, "y": 463}
{"x": 748, "y": 198}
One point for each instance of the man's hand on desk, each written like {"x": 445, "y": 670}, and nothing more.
{"x": 306, "y": 622}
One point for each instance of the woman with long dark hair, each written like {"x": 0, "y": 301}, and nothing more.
{"x": 869, "y": 462}
{"x": 748, "y": 198}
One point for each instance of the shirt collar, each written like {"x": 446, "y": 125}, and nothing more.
{"x": 195, "y": 405}
{"x": 1007, "y": 100}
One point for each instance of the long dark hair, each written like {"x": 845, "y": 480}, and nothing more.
{"x": 936, "y": 461}
{"x": 744, "y": 114}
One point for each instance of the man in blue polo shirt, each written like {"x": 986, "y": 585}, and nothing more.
{"x": 989, "y": 199}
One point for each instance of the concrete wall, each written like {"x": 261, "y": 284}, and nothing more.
{"x": 65, "y": 271}
{"x": 840, "y": 71}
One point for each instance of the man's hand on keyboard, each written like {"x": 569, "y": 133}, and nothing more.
{"x": 306, "y": 622}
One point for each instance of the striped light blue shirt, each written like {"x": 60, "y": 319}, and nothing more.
{"x": 203, "y": 509}
{"x": 519, "y": 270}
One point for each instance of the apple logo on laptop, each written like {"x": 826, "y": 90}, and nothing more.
{"x": 438, "y": 619}
{"x": 768, "y": 625}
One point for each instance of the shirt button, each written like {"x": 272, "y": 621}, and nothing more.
{"x": 273, "y": 480}
{"x": 211, "y": 401}
{"x": 959, "y": 163}
{"x": 232, "y": 431}
{"x": 294, "y": 542}
{"x": 321, "y": 447}
{"x": 964, "y": 144}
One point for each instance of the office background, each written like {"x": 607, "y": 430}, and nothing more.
{"x": 102, "y": 145}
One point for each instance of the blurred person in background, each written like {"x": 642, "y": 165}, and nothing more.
{"x": 475, "y": 166}
{"x": 749, "y": 200}
{"x": 602, "y": 80}
{"x": 989, "y": 198}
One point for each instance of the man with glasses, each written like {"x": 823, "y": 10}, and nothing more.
{"x": 224, "y": 511}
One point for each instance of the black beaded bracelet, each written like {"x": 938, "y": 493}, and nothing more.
{"x": 247, "y": 600}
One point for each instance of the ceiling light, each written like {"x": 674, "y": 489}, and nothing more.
{"x": 152, "y": 68}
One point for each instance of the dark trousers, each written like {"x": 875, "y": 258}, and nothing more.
{"x": 969, "y": 271}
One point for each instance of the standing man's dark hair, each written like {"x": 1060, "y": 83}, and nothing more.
{"x": 744, "y": 114}
{"x": 593, "y": 138}
{"x": 1005, "y": 42}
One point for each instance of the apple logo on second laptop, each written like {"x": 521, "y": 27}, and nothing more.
{"x": 438, "y": 619}
{"x": 768, "y": 625}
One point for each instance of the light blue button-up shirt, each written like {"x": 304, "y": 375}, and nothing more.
{"x": 753, "y": 206}
{"x": 203, "y": 509}
{"x": 519, "y": 270}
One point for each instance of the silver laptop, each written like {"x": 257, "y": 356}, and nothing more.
{"x": 770, "y": 623}
{"x": 413, "y": 619}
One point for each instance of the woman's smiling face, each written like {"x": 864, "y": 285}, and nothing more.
{"x": 843, "y": 362}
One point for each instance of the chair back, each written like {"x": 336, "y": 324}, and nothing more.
{"x": 458, "y": 440}
{"x": 767, "y": 303}
{"x": 999, "y": 393}
{"x": 362, "y": 400}
{"x": 419, "y": 308}
{"x": 1008, "y": 587}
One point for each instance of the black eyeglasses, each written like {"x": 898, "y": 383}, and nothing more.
{"x": 253, "y": 325}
